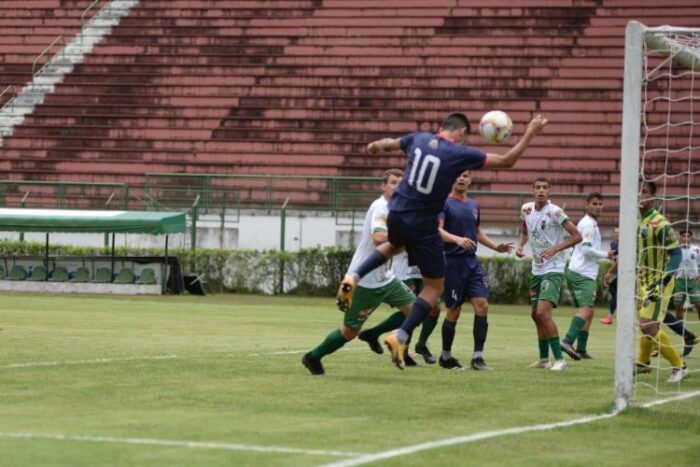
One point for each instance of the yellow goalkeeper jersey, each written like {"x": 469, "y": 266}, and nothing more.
{"x": 656, "y": 238}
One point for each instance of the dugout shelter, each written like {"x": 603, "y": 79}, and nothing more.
{"x": 86, "y": 221}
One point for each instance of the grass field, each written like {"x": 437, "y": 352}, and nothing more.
{"x": 218, "y": 381}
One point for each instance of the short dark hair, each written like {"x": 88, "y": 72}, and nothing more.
{"x": 455, "y": 121}
{"x": 687, "y": 231}
{"x": 541, "y": 179}
{"x": 389, "y": 173}
{"x": 651, "y": 184}
{"x": 594, "y": 195}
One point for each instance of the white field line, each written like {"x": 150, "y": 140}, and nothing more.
{"x": 177, "y": 444}
{"x": 86, "y": 362}
{"x": 492, "y": 434}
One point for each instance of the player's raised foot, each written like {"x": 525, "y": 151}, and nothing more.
{"x": 345, "y": 291}
{"x": 424, "y": 352}
{"x": 540, "y": 363}
{"x": 372, "y": 341}
{"x": 607, "y": 320}
{"x": 641, "y": 368}
{"x": 313, "y": 365}
{"x": 569, "y": 349}
{"x": 559, "y": 365}
{"x": 408, "y": 360}
{"x": 451, "y": 364}
{"x": 479, "y": 364}
{"x": 689, "y": 344}
{"x": 396, "y": 349}
{"x": 678, "y": 374}
{"x": 584, "y": 355}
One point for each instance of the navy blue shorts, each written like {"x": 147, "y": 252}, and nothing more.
{"x": 464, "y": 280}
{"x": 421, "y": 238}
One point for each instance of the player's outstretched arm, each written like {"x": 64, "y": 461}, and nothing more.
{"x": 487, "y": 242}
{"x": 383, "y": 145}
{"x": 508, "y": 160}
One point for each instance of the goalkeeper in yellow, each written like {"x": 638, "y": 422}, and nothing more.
{"x": 659, "y": 256}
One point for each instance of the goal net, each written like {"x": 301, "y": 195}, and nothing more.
{"x": 660, "y": 143}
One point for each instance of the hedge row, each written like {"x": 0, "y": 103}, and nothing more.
{"x": 311, "y": 271}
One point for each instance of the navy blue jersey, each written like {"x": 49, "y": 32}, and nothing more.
{"x": 434, "y": 163}
{"x": 614, "y": 247}
{"x": 461, "y": 218}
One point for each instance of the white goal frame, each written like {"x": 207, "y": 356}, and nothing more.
{"x": 635, "y": 37}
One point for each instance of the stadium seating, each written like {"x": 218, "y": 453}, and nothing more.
{"x": 81, "y": 274}
{"x": 148, "y": 276}
{"x": 125, "y": 276}
{"x": 300, "y": 86}
{"x": 59, "y": 274}
{"x": 103, "y": 275}
{"x": 38, "y": 273}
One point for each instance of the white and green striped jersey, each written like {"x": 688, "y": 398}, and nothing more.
{"x": 587, "y": 254}
{"x": 545, "y": 228}
{"x": 375, "y": 221}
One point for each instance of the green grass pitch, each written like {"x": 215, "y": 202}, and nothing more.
{"x": 170, "y": 381}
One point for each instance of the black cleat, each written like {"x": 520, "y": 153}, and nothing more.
{"x": 408, "y": 360}
{"x": 479, "y": 364}
{"x": 569, "y": 349}
{"x": 451, "y": 364}
{"x": 424, "y": 351}
{"x": 313, "y": 365}
{"x": 584, "y": 355}
{"x": 640, "y": 368}
{"x": 372, "y": 341}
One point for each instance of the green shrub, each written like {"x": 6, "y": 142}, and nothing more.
{"x": 310, "y": 271}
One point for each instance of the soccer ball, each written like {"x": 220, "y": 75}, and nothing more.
{"x": 495, "y": 127}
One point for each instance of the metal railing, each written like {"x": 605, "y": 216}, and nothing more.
{"x": 43, "y": 52}
{"x": 346, "y": 198}
{"x": 63, "y": 195}
{"x": 85, "y": 12}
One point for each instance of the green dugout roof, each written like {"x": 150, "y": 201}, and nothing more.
{"x": 64, "y": 220}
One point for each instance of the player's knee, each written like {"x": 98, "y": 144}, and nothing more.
{"x": 348, "y": 333}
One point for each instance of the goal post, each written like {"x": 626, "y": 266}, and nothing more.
{"x": 661, "y": 68}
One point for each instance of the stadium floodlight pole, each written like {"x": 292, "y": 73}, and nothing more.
{"x": 627, "y": 262}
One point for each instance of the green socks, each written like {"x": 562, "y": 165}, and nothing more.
{"x": 556, "y": 347}
{"x": 544, "y": 349}
{"x": 582, "y": 342}
{"x": 389, "y": 324}
{"x": 330, "y": 344}
{"x": 574, "y": 329}
{"x": 426, "y": 330}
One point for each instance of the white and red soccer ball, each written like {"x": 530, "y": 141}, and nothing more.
{"x": 495, "y": 127}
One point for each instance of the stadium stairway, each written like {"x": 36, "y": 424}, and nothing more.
{"x": 300, "y": 86}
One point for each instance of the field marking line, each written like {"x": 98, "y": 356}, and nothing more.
{"x": 85, "y": 362}
{"x": 365, "y": 459}
{"x": 176, "y": 443}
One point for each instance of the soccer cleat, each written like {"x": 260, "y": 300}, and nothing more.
{"x": 584, "y": 355}
{"x": 372, "y": 341}
{"x": 607, "y": 320}
{"x": 678, "y": 374}
{"x": 451, "y": 364}
{"x": 689, "y": 344}
{"x": 313, "y": 365}
{"x": 408, "y": 360}
{"x": 544, "y": 364}
{"x": 345, "y": 291}
{"x": 396, "y": 349}
{"x": 423, "y": 351}
{"x": 479, "y": 364}
{"x": 641, "y": 368}
{"x": 569, "y": 349}
{"x": 559, "y": 365}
